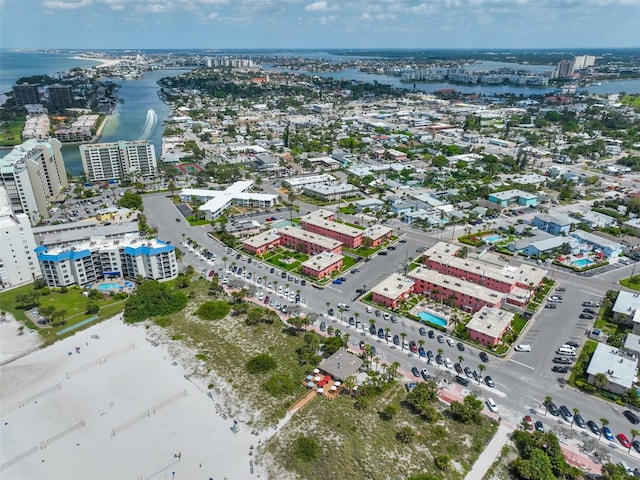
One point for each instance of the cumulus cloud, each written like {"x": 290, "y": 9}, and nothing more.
{"x": 316, "y": 7}
{"x": 65, "y": 4}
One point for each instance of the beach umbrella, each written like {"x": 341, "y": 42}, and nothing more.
{"x": 317, "y": 370}
{"x": 321, "y": 390}
{"x": 318, "y": 378}
{"x": 338, "y": 383}
{"x": 310, "y": 384}
{"x": 309, "y": 377}
{"x": 334, "y": 388}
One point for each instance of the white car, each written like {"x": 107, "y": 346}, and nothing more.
{"x": 523, "y": 348}
{"x": 280, "y": 289}
{"x": 447, "y": 363}
{"x": 260, "y": 296}
{"x": 369, "y": 310}
{"x": 270, "y": 285}
{"x": 451, "y": 342}
{"x": 492, "y": 405}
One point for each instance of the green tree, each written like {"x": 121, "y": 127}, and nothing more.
{"x": 421, "y": 398}
{"x": 468, "y": 411}
{"x": 214, "y": 310}
{"x": 443, "y": 462}
{"x": 600, "y": 380}
{"x": 131, "y": 200}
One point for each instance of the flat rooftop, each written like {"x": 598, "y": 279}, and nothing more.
{"x": 341, "y": 228}
{"x": 456, "y": 284}
{"x": 393, "y": 286}
{"x": 376, "y": 231}
{"x": 262, "y": 239}
{"x": 490, "y": 321}
{"x": 320, "y": 240}
{"x": 322, "y": 260}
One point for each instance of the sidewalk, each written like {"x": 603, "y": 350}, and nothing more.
{"x": 490, "y": 454}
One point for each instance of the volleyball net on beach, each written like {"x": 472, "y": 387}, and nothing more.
{"x": 147, "y": 413}
{"x": 101, "y": 360}
{"x": 42, "y": 445}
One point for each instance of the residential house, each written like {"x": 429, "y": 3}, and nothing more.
{"x": 558, "y": 224}
{"x": 598, "y": 220}
{"x": 609, "y": 248}
{"x": 509, "y": 197}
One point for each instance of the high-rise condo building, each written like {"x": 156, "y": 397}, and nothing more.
{"x": 118, "y": 160}
{"x": 33, "y": 175}
{"x": 60, "y": 96}
{"x": 18, "y": 262}
{"x": 26, "y": 94}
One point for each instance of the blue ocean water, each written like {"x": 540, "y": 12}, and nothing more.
{"x": 17, "y": 64}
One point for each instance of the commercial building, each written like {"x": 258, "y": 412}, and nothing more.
{"x": 515, "y": 282}
{"x": 217, "y": 201}
{"x": 262, "y": 243}
{"x": 509, "y": 197}
{"x": 18, "y": 263}
{"x": 118, "y": 160}
{"x": 464, "y": 295}
{"x": 34, "y": 176}
{"x": 330, "y": 191}
{"x": 100, "y": 258}
{"x": 323, "y": 264}
{"x": 392, "y": 290}
{"x": 618, "y": 368}
{"x": 321, "y": 222}
{"x": 307, "y": 242}
{"x": 26, "y": 94}
{"x": 488, "y": 325}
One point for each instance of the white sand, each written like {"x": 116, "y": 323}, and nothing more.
{"x": 12, "y": 344}
{"x": 106, "y": 386}
{"x": 104, "y": 62}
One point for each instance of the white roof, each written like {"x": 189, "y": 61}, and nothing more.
{"x": 490, "y": 321}
{"x": 618, "y": 368}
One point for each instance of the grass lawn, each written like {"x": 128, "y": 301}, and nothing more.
{"x": 363, "y": 251}
{"x": 348, "y": 262}
{"x": 11, "y": 132}
{"x": 277, "y": 261}
{"x": 633, "y": 282}
{"x": 194, "y": 223}
{"x": 582, "y": 362}
{"x": 72, "y": 301}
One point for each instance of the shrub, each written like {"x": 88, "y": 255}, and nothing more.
{"x": 45, "y": 291}
{"x": 95, "y": 295}
{"x": 91, "y": 308}
{"x": 213, "y": 310}
{"x": 306, "y": 448}
{"x": 153, "y": 298}
{"x": 279, "y": 385}
{"x": 261, "y": 363}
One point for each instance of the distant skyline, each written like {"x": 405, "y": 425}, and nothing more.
{"x": 319, "y": 24}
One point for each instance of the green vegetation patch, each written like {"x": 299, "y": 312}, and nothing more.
{"x": 11, "y": 132}
{"x": 213, "y": 310}
{"x": 153, "y": 298}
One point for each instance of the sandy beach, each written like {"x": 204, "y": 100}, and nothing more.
{"x": 110, "y": 403}
{"x": 104, "y": 62}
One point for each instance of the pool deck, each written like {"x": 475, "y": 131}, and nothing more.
{"x": 441, "y": 311}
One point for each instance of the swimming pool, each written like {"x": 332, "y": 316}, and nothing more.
{"x": 110, "y": 286}
{"x": 432, "y": 319}
{"x": 582, "y": 262}
{"x": 492, "y": 238}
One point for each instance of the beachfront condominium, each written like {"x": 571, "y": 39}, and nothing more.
{"x": 102, "y": 258}
{"x": 26, "y": 94}
{"x": 118, "y": 161}
{"x": 18, "y": 263}
{"x": 34, "y": 176}
{"x": 60, "y": 97}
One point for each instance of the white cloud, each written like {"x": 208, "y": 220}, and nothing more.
{"x": 317, "y": 6}
{"x": 65, "y": 4}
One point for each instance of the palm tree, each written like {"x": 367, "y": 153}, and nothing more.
{"x": 356, "y": 314}
{"x": 403, "y": 335}
{"x": 460, "y": 359}
{"x": 440, "y": 351}
{"x": 421, "y": 342}
{"x": 341, "y": 309}
{"x": 547, "y": 401}
{"x": 482, "y": 368}
{"x": 224, "y": 259}
{"x": 600, "y": 380}
{"x": 604, "y": 423}
{"x": 373, "y": 323}
{"x": 634, "y": 433}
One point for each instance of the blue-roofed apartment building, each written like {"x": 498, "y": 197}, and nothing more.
{"x": 508, "y": 197}
{"x": 591, "y": 241}
{"x": 101, "y": 258}
{"x": 558, "y": 224}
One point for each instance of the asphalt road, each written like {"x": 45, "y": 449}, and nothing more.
{"x": 522, "y": 380}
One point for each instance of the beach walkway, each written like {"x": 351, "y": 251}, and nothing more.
{"x": 490, "y": 454}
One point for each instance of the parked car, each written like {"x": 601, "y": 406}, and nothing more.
{"x": 578, "y": 420}
{"x": 377, "y": 313}
{"x": 396, "y": 340}
{"x": 431, "y": 334}
{"x": 559, "y": 369}
{"x": 606, "y": 431}
{"x": 439, "y": 359}
{"x": 632, "y": 417}
{"x": 489, "y": 381}
{"x": 391, "y": 247}
{"x": 450, "y": 342}
{"x": 383, "y": 253}
{"x": 586, "y": 316}
{"x": 523, "y": 348}
{"x": 624, "y": 441}
{"x": 589, "y": 310}
{"x": 468, "y": 372}
{"x": 636, "y": 446}
{"x": 484, "y": 357}
{"x": 562, "y": 360}
{"x": 422, "y": 331}
{"x": 422, "y": 352}
{"x": 553, "y": 409}
{"x": 566, "y": 414}
{"x": 550, "y": 305}
{"x": 425, "y": 374}
{"x": 413, "y": 347}
{"x": 337, "y": 281}
{"x": 572, "y": 344}
{"x": 430, "y": 356}
{"x": 462, "y": 381}
{"x": 539, "y": 426}
{"x": 593, "y": 426}
{"x": 457, "y": 367}
{"x": 415, "y": 371}
{"x": 440, "y": 339}
{"x": 323, "y": 326}
{"x": 460, "y": 346}
{"x": 381, "y": 333}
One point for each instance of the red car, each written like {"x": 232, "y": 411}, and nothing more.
{"x": 413, "y": 347}
{"x": 529, "y": 422}
{"x": 266, "y": 299}
{"x": 624, "y": 441}
{"x": 361, "y": 344}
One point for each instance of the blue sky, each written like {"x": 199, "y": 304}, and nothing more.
{"x": 96, "y": 24}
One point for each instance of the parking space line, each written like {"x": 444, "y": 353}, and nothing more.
{"x": 519, "y": 363}
{"x": 592, "y": 293}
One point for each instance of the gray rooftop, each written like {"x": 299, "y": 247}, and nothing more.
{"x": 341, "y": 364}
{"x": 618, "y": 368}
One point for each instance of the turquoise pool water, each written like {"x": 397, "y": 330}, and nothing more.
{"x": 110, "y": 286}
{"x": 492, "y": 238}
{"x": 432, "y": 319}
{"x": 583, "y": 262}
